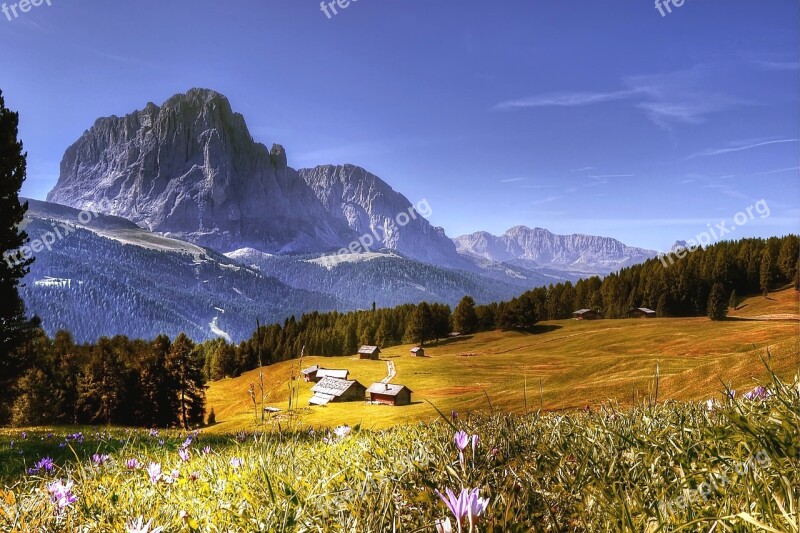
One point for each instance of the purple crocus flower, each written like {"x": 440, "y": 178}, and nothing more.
{"x": 99, "y": 460}
{"x": 133, "y": 464}
{"x": 467, "y": 504}
{"x": 61, "y": 493}
{"x": 206, "y": 450}
{"x": 184, "y": 454}
{"x": 461, "y": 440}
{"x": 154, "y": 471}
{"x": 759, "y": 393}
{"x": 236, "y": 463}
{"x": 45, "y": 464}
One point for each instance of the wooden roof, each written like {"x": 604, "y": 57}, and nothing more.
{"x": 369, "y": 349}
{"x": 332, "y": 386}
{"x": 387, "y": 389}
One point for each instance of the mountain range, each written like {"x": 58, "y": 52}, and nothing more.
{"x": 187, "y": 180}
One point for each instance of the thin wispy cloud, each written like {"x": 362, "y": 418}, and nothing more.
{"x": 684, "y": 96}
{"x": 513, "y": 180}
{"x": 778, "y": 65}
{"x": 565, "y": 99}
{"x": 777, "y": 171}
{"x": 539, "y": 186}
{"x": 584, "y": 169}
{"x": 546, "y": 200}
{"x": 740, "y": 148}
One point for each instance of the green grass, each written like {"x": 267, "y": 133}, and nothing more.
{"x": 606, "y": 470}
{"x": 576, "y": 363}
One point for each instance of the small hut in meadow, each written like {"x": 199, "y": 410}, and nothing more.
{"x": 369, "y": 352}
{"x": 389, "y": 394}
{"x": 642, "y": 312}
{"x": 585, "y": 314}
{"x": 418, "y": 351}
{"x": 316, "y": 373}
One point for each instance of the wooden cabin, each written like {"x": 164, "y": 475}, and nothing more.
{"x": 586, "y": 314}
{"x": 389, "y": 394}
{"x": 332, "y": 390}
{"x": 369, "y": 352}
{"x": 642, "y": 312}
{"x": 316, "y": 373}
{"x": 418, "y": 351}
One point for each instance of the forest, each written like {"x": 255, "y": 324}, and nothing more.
{"x": 162, "y": 382}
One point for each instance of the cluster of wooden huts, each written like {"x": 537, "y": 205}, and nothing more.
{"x": 333, "y": 385}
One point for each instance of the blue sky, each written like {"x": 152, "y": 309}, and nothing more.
{"x": 580, "y": 117}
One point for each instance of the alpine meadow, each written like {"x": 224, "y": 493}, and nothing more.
{"x": 448, "y": 267}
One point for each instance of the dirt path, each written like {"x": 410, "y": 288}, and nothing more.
{"x": 391, "y": 372}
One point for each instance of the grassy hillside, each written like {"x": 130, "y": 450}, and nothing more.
{"x": 577, "y": 364}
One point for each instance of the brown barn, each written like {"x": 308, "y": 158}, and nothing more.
{"x": 586, "y": 314}
{"x": 389, "y": 394}
{"x": 642, "y": 312}
{"x": 418, "y": 351}
{"x": 369, "y": 352}
{"x": 337, "y": 390}
{"x": 316, "y": 373}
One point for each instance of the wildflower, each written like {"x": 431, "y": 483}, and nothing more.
{"x": 236, "y": 463}
{"x": 139, "y": 526}
{"x": 759, "y": 393}
{"x": 342, "y": 431}
{"x": 468, "y": 504}
{"x": 731, "y": 394}
{"x": 99, "y": 460}
{"x": 206, "y": 450}
{"x": 711, "y": 405}
{"x": 495, "y": 451}
{"x": 194, "y": 476}
{"x": 174, "y": 476}
{"x": 61, "y": 493}
{"x": 154, "y": 471}
{"x": 154, "y": 433}
{"x": 454, "y": 415}
{"x": 133, "y": 464}
{"x": 443, "y": 525}
{"x": 23, "y": 435}
{"x": 461, "y": 440}
{"x": 184, "y": 454}
{"x": 46, "y": 464}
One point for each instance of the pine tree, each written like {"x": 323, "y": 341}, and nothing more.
{"x": 734, "y": 300}
{"x": 717, "y": 304}
{"x": 186, "y": 370}
{"x": 421, "y": 324}
{"x": 100, "y": 389}
{"x": 14, "y": 326}
{"x": 465, "y": 319}
{"x": 767, "y": 272}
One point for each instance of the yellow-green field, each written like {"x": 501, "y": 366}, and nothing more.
{"x": 576, "y": 363}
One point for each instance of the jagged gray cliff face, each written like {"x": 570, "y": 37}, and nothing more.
{"x": 540, "y": 248}
{"x": 190, "y": 169}
{"x": 374, "y": 210}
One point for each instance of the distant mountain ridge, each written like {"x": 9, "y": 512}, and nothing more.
{"x": 541, "y": 248}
